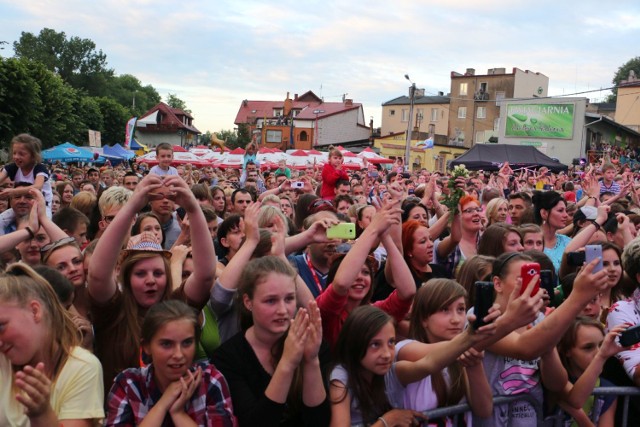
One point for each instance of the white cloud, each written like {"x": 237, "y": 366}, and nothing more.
{"x": 215, "y": 54}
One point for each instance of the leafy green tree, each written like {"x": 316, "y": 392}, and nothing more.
{"x": 230, "y": 137}
{"x": 74, "y": 59}
{"x": 174, "y": 102}
{"x": 623, "y": 74}
{"x": 114, "y": 118}
{"x": 19, "y": 99}
{"x": 244, "y": 134}
{"x": 129, "y": 92}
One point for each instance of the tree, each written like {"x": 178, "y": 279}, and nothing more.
{"x": 623, "y": 74}
{"x": 75, "y": 60}
{"x": 115, "y": 118}
{"x": 127, "y": 88}
{"x": 19, "y": 99}
{"x": 174, "y": 102}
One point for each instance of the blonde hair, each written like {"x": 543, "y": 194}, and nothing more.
{"x": 268, "y": 213}
{"x": 112, "y": 197}
{"x": 84, "y": 201}
{"x": 19, "y": 285}
{"x": 492, "y": 208}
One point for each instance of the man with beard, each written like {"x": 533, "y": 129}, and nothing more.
{"x": 313, "y": 264}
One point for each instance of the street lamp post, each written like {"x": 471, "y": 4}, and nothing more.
{"x": 316, "y": 112}
{"x": 407, "y": 152}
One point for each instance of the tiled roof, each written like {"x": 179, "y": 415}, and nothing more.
{"x": 307, "y": 103}
{"x": 169, "y": 118}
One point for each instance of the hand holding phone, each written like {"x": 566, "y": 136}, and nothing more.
{"x": 344, "y": 230}
{"x": 592, "y": 252}
{"x": 630, "y": 336}
{"x": 527, "y": 272}
{"x": 483, "y": 302}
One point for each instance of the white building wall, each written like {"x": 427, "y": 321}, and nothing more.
{"x": 527, "y": 84}
{"x": 151, "y": 139}
{"x": 341, "y": 128}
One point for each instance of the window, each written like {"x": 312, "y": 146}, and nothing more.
{"x": 479, "y": 136}
{"x": 483, "y": 87}
{"x": 434, "y": 114}
{"x": 482, "y": 113}
{"x": 432, "y": 129}
{"x": 496, "y": 124}
{"x": 500, "y": 96}
{"x": 274, "y": 136}
{"x": 405, "y": 115}
{"x": 303, "y": 135}
{"x": 463, "y": 88}
{"x": 462, "y": 112}
{"x": 420, "y": 115}
{"x": 392, "y": 113}
{"x": 277, "y": 112}
{"x": 295, "y": 113}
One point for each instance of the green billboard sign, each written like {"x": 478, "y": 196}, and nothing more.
{"x": 540, "y": 120}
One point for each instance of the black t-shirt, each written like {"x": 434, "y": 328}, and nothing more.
{"x": 382, "y": 289}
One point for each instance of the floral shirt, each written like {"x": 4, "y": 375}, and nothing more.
{"x": 135, "y": 392}
{"x": 626, "y": 311}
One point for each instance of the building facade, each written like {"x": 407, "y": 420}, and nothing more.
{"x": 628, "y": 103}
{"x": 304, "y": 122}
{"x": 165, "y": 124}
{"x": 475, "y": 101}
{"x": 430, "y": 115}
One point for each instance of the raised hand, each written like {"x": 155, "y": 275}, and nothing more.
{"x": 314, "y": 335}
{"x": 35, "y": 390}
{"x": 294, "y": 344}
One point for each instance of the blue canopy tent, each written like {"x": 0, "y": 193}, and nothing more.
{"x": 118, "y": 151}
{"x": 68, "y": 152}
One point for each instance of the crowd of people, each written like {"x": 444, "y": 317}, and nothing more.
{"x": 180, "y": 296}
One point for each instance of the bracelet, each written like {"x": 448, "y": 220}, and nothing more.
{"x": 30, "y": 231}
{"x": 598, "y": 226}
{"x": 383, "y": 421}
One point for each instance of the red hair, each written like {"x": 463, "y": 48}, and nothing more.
{"x": 468, "y": 199}
{"x": 408, "y": 232}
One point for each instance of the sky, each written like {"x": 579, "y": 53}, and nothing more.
{"x": 214, "y": 54}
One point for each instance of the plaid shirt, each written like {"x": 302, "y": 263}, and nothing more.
{"x": 135, "y": 392}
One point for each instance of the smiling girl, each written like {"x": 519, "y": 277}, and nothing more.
{"x": 273, "y": 366}
{"x": 46, "y": 379}
{"x": 171, "y": 389}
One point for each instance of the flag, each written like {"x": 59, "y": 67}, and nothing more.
{"x": 129, "y": 132}
{"x": 428, "y": 143}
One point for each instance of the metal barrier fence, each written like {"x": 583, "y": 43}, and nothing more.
{"x": 455, "y": 411}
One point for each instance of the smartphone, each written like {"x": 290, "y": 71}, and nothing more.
{"x": 345, "y": 230}
{"x": 483, "y": 302}
{"x": 546, "y": 282}
{"x": 592, "y": 252}
{"x": 575, "y": 259}
{"x": 527, "y": 271}
{"x": 547, "y": 187}
{"x": 630, "y": 336}
{"x": 297, "y": 184}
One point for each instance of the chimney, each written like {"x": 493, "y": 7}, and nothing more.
{"x": 295, "y": 97}
{"x": 470, "y": 72}
{"x": 440, "y": 93}
{"x": 348, "y": 102}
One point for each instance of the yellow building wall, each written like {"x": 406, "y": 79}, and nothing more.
{"x": 432, "y": 159}
{"x": 628, "y": 107}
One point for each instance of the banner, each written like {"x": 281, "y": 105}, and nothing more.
{"x": 131, "y": 128}
{"x": 540, "y": 120}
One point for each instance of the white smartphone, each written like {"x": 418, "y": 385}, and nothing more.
{"x": 592, "y": 252}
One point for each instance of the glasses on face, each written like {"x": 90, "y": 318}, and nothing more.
{"x": 108, "y": 218}
{"x": 472, "y": 210}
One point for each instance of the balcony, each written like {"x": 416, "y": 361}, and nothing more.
{"x": 481, "y": 96}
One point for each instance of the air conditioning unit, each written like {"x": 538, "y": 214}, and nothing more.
{"x": 259, "y": 125}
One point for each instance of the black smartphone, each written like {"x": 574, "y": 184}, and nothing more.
{"x": 576, "y": 259}
{"x": 484, "y": 301}
{"x": 630, "y": 336}
{"x": 181, "y": 212}
{"x": 546, "y": 282}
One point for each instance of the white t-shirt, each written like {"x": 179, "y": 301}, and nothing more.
{"x": 77, "y": 393}
{"x": 159, "y": 171}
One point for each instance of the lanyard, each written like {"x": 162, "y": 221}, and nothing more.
{"x": 313, "y": 273}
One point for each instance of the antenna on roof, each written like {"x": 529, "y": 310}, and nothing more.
{"x": 344, "y": 96}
